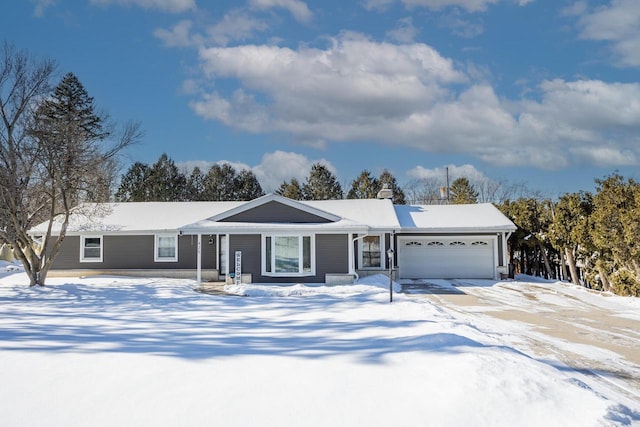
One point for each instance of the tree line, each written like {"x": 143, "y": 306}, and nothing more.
{"x": 592, "y": 239}
{"x": 163, "y": 181}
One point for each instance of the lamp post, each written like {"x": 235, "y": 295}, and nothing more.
{"x": 390, "y": 258}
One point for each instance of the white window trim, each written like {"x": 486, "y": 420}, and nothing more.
{"x": 382, "y": 253}
{"x": 157, "y": 258}
{"x": 82, "y": 247}
{"x": 300, "y": 272}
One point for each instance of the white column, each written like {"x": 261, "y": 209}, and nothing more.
{"x": 199, "y": 268}
{"x": 352, "y": 262}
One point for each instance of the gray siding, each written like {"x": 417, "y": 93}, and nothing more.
{"x": 135, "y": 252}
{"x": 275, "y": 212}
{"x": 332, "y": 254}
{"x": 331, "y": 257}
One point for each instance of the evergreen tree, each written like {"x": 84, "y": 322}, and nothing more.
{"x": 533, "y": 218}
{"x": 571, "y": 230}
{"x": 220, "y": 183}
{"x": 364, "y": 186}
{"x": 166, "y": 183}
{"x": 321, "y": 184}
{"x": 291, "y": 190}
{"x": 247, "y": 186}
{"x": 133, "y": 184}
{"x": 398, "y": 194}
{"x": 462, "y": 192}
{"x": 195, "y": 185}
{"x": 616, "y": 229}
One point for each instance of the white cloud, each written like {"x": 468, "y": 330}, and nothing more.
{"x": 335, "y": 93}
{"x": 173, "y": 6}
{"x": 405, "y": 32}
{"x": 280, "y": 166}
{"x": 455, "y": 172}
{"x": 41, "y": 6}
{"x": 178, "y": 36}
{"x": 408, "y": 95}
{"x": 297, "y": 8}
{"x": 235, "y": 25}
{"x": 619, "y": 24}
{"x": 274, "y": 168}
{"x": 467, "y": 5}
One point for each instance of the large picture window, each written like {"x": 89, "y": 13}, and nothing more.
{"x": 166, "y": 248}
{"x": 91, "y": 249}
{"x": 370, "y": 251}
{"x": 288, "y": 256}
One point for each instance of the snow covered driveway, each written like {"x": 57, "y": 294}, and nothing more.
{"x": 597, "y": 334}
{"x": 108, "y": 351}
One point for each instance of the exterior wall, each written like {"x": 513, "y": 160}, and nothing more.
{"x": 331, "y": 257}
{"x": 135, "y": 252}
{"x": 275, "y": 212}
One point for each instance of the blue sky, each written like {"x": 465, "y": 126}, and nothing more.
{"x": 541, "y": 92}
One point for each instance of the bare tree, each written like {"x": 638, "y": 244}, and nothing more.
{"x": 55, "y": 152}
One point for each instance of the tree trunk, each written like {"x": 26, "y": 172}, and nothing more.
{"x": 572, "y": 267}
{"x": 545, "y": 258}
{"x": 604, "y": 277}
{"x": 563, "y": 268}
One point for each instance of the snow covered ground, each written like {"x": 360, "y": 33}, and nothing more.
{"x": 143, "y": 351}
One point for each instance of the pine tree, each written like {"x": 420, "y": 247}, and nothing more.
{"x": 321, "y": 184}
{"x": 616, "y": 229}
{"x": 462, "y": 192}
{"x": 398, "y": 194}
{"x": 247, "y": 186}
{"x": 133, "y": 184}
{"x": 166, "y": 183}
{"x": 220, "y": 183}
{"x": 291, "y": 190}
{"x": 364, "y": 186}
{"x": 571, "y": 230}
{"x": 195, "y": 185}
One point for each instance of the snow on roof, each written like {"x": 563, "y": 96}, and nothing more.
{"x": 376, "y": 213}
{"x": 354, "y": 214}
{"x": 445, "y": 218}
{"x": 133, "y": 217}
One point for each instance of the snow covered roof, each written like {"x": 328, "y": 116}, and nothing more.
{"x": 356, "y": 215}
{"x": 346, "y": 215}
{"x": 376, "y": 213}
{"x": 453, "y": 218}
{"x": 137, "y": 217}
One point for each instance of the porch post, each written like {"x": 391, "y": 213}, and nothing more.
{"x": 352, "y": 264}
{"x": 199, "y": 262}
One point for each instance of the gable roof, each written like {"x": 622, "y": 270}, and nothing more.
{"x": 453, "y": 218}
{"x": 274, "y": 198}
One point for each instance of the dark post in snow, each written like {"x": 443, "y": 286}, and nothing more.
{"x": 390, "y": 257}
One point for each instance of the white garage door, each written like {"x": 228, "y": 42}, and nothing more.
{"x": 446, "y": 257}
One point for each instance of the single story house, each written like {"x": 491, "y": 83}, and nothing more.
{"x": 276, "y": 239}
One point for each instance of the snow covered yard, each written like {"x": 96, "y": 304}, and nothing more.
{"x": 131, "y": 351}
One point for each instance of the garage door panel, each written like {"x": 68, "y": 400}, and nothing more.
{"x": 450, "y": 257}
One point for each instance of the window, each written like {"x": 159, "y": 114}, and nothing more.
{"x": 370, "y": 252}
{"x": 91, "y": 249}
{"x": 166, "y": 248}
{"x": 288, "y": 256}
{"x": 435, "y": 243}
